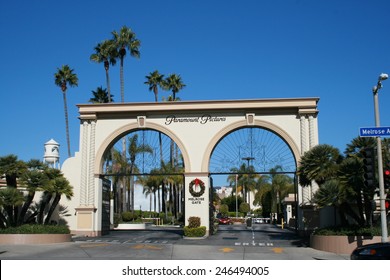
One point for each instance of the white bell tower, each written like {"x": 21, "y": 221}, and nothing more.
{"x": 52, "y": 154}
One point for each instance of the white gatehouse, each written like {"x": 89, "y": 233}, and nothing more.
{"x": 196, "y": 127}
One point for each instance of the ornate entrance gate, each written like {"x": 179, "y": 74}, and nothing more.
{"x": 196, "y": 127}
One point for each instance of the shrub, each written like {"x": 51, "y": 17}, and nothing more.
{"x": 194, "y": 222}
{"x": 353, "y": 230}
{"x": 128, "y": 216}
{"x": 224, "y": 209}
{"x": 36, "y": 229}
{"x": 195, "y": 232}
{"x": 117, "y": 219}
{"x": 233, "y": 214}
{"x": 244, "y": 207}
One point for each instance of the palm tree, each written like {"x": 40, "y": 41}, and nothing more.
{"x": 154, "y": 80}
{"x": 125, "y": 40}
{"x": 62, "y": 78}
{"x": 11, "y": 168}
{"x": 119, "y": 167}
{"x": 10, "y": 199}
{"x": 282, "y": 185}
{"x": 105, "y": 52}
{"x": 101, "y": 96}
{"x": 319, "y": 164}
{"x": 60, "y": 186}
{"x": 174, "y": 83}
{"x": 35, "y": 178}
{"x": 246, "y": 178}
{"x": 135, "y": 149}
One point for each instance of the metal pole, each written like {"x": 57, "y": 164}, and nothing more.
{"x": 236, "y": 196}
{"x": 384, "y": 237}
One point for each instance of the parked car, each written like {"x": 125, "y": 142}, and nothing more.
{"x": 225, "y": 221}
{"x": 375, "y": 251}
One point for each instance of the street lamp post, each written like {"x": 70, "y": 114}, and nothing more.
{"x": 375, "y": 90}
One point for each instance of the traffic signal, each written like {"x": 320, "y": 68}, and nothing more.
{"x": 386, "y": 178}
{"x": 369, "y": 167}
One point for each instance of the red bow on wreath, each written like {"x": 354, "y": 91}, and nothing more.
{"x": 196, "y": 181}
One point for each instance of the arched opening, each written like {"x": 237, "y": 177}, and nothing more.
{"x": 144, "y": 169}
{"x": 253, "y": 170}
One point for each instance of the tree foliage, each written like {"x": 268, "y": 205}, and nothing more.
{"x": 17, "y": 205}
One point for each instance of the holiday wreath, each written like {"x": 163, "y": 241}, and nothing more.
{"x": 197, "y": 184}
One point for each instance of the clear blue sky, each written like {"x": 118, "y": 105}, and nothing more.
{"x": 330, "y": 49}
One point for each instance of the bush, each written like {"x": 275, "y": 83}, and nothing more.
{"x": 244, "y": 207}
{"x": 195, "y": 232}
{"x": 36, "y": 229}
{"x": 128, "y": 216}
{"x": 194, "y": 222}
{"x": 224, "y": 209}
{"x": 233, "y": 214}
{"x": 353, "y": 230}
{"x": 117, "y": 219}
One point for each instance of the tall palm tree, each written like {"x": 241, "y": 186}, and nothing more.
{"x": 154, "y": 80}
{"x": 101, "y": 95}
{"x": 119, "y": 167}
{"x": 105, "y": 52}
{"x": 62, "y": 78}
{"x": 246, "y": 178}
{"x": 282, "y": 185}
{"x": 125, "y": 40}
{"x": 134, "y": 150}
{"x": 173, "y": 83}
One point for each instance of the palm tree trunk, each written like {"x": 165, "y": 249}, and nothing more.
{"x": 66, "y": 122}
{"x": 26, "y": 205}
{"x": 132, "y": 187}
{"x": 158, "y": 199}
{"x": 124, "y": 184}
{"x": 52, "y": 208}
{"x": 108, "y": 86}
{"x": 122, "y": 81}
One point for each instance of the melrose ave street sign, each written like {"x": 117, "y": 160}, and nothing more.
{"x": 374, "y": 131}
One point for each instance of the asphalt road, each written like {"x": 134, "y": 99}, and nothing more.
{"x": 261, "y": 242}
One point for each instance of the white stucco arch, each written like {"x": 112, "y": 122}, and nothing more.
{"x": 196, "y": 127}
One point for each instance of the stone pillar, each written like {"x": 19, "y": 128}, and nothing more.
{"x": 86, "y": 211}
{"x": 303, "y": 134}
{"x": 311, "y": 132}
{"x": 84, "y": 160}
{"x": 197, "y": 198}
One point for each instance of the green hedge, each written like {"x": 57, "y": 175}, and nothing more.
{"x": 349, "y": 231}
{"x": 195, "y": 232}
{"x": 36, "y": 229}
